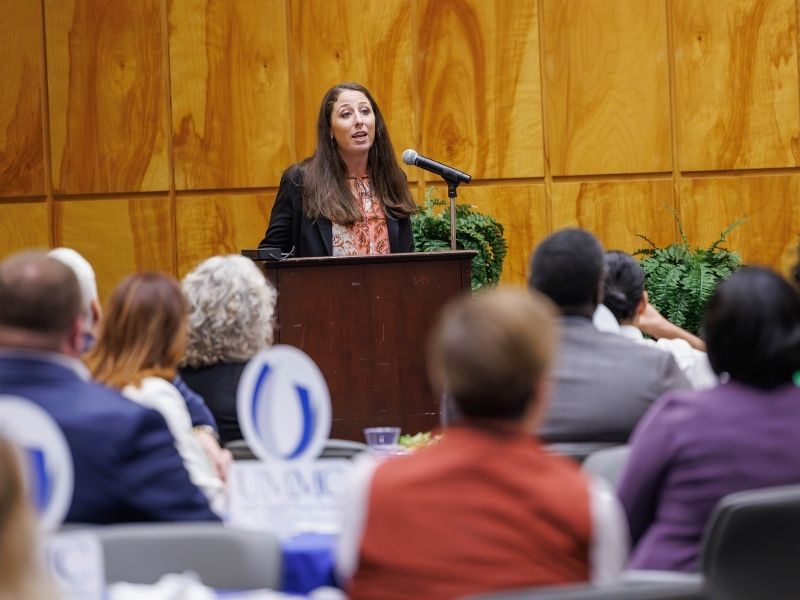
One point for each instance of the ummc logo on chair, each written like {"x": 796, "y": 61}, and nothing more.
{"x": 46, "y": 458}
{"x": 283, "y": 405}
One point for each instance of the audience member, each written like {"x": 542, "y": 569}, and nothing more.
{"x": 20, "y": 574}
{"x": 603, "y": 382}
{"x": 141, "y": 341}
{"x": 202, "y": 419}
{"x": 486, "y": 507}
{"x": 231, "y": 306}
{"x": 693, "y": 448}
{"x": 90, "y": 301}
{"x": 126, "y": 466}
{"x": 624, "y": 295}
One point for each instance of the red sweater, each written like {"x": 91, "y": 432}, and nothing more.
{"x": 480, "y": 511}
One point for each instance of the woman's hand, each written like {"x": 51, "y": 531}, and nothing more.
{"x": 219, "y": 457}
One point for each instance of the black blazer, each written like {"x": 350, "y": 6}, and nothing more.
{"x": 289, "y": 227}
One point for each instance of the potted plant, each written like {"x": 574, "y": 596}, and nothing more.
{"x": 680, "y": 280}
{"x": 474, "y": 231}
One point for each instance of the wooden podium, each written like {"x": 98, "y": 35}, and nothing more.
{"x": 365, "y": 321}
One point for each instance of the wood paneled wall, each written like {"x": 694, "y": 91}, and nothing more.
{"x": 152, "y": 134}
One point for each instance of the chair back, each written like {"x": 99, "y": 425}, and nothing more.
{"x": 578, "y": 451}
{"x": 607, "y": 463}
{"x": 751, "y": 547}
{"x": 223, "y": 558}
{"x": 335, "y": 448}
{"x": 626, "y": 590}
{"x": 240, "y": 450}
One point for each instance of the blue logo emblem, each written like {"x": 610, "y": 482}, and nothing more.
{"x": 46, "y": 458}
{"x": 284, "y": 405}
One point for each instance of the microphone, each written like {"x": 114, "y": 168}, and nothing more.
{"x": 410, "y": 157}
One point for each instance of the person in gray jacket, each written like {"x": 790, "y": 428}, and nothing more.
{"x": 603, "y": 383}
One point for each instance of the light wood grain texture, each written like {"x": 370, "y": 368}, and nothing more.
{"x": 230, "y": 92}
{"x": 368, "y": 42}
{"x": 736, "y": 83}
{"x": 21, "y": 143}
{"x": 211, "y": 225}
{"x": 522, "y": 210}
{"x": 617, "y": 211}
{"x": 118, "y": 236}
{"x": 480, "y": 88}
{"x": 606, "y": 86}
{"x": 22, "y": 225}
{"x": 106, "y": 96}
{"x": 769, "y": 203}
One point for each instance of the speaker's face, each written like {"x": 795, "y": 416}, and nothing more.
{"x": 353, "y": 124}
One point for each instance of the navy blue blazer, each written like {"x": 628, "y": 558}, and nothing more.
{"x": 126, "y": 465}
{"x": 290, "y": 228}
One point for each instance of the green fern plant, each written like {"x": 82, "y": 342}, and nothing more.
{"x": 681, "y": 280}
{"x": 474, "y": 231}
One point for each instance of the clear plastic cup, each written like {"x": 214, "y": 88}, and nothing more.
{"x": 382, "y": 437}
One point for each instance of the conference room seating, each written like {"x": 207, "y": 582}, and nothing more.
{"x": 607, "y": 463}
{"x": 240, "y": 450}
{"x": 751, "y": 548}
{"x": 333, "y": 448}
{"x": 750, "y": 552}
{"x": 223, "y": 558}
{"x": 342, "y": 449}
{"x": 578, "y": 451}
{"x": 633, "y": 590}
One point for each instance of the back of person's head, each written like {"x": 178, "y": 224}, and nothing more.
{"x": 19, "y": 571}
{"x": 752, "y": 328}
{"x": 40, "y": 302}
{"x": 491, "y": 352}
{"x": 624, "y": 285}
{"x": 143, "y": 333}
{"x": 568, "y": 268}
{"x": 86, "y": 279}
{"x": 92, "y": 312}
{"x": 231, "y": 308}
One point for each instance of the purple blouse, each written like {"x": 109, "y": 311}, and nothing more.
{"x": 693, "y": 448}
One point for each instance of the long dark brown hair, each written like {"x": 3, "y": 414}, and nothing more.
{"x": 325, "y": 190}
{"x": 143, "y": 332}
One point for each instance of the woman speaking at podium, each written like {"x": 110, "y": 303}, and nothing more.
{"x": 351, "y": 196}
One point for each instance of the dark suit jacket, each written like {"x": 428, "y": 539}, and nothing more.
{"x": 217, "y": 384}
{"x": 125, "y": 461}
{"x": 289, "y": 227}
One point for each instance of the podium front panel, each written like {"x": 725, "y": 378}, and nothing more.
{"x": 365, "y": 322}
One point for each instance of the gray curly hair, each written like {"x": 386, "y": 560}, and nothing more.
{"x": 231, "y": 306}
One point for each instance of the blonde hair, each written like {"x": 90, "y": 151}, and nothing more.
{"x": 143, "y": 333}
{"x": 20, "y": 575}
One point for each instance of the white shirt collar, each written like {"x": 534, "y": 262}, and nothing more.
{"x": 631, "y": 332}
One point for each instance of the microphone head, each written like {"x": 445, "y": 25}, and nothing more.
{"x": 410, "y": 157}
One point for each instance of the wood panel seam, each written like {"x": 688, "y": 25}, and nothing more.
{"x": 173, "y": 209}
{"x": 548, "y": 177}
{"x": 45, "y": 108}
{"x": 287, "y": 6}
{"x": 674, "y": 121}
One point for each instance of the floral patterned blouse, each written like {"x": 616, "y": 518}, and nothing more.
{"x": 368, "y": 235}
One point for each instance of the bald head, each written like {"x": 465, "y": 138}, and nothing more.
{"x": 40, "y": 301}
